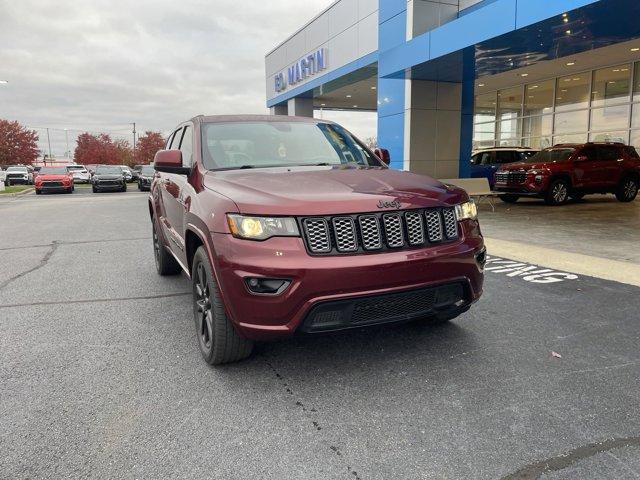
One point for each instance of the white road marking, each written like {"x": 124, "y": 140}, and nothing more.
{"x": 528, "y": 272}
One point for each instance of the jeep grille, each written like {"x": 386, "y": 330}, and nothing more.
{"x": 370, "y": 232}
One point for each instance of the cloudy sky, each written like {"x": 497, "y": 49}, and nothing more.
{"x": 98, "y": 65}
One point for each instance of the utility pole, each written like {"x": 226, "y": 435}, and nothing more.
{"x": 134, "y": 139}
{"x": 66, "y": 135}
{"x": 49, "y": 142}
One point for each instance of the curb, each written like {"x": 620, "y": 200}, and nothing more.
{"x": 24, "y": 192}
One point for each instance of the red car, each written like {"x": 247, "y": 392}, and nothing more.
{"x": 291, "y": 225}
{"x": 572, "y": 170}
{"x": 54, "y": 179}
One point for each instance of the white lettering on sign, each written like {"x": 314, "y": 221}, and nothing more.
{"x": 528, "y": 272}
{"x": 305, "y": 67}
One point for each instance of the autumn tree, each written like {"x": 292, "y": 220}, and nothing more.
{"x": 147, "y": 147}
{"x": 18, "y": 145}
{"x": 101, "y": 149}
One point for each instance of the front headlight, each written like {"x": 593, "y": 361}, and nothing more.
{"x": 261, "y": 228}
{"x": 467, "y": 211}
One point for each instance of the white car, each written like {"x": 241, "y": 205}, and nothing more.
{"x": 3, "y": 176}
{"x": 80, "y": 173}
{"x": 18, "y": 174}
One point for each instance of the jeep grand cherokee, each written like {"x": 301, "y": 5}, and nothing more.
{"x": 290, "y": 225}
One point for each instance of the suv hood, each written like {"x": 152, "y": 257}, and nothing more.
{"x": 51, "y": 176}
{"x": 329, "y": 190}
{"x": 526, "y": 166}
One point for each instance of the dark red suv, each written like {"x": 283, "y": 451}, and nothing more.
{"x": 290, "y": 225}
{"x": 572, "y": 170}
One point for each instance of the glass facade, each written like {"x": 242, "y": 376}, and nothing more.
{"x": 599, "y": 105}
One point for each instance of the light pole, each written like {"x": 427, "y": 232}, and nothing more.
{"x": 66, "y": 136}
{"x": 49, "y": 142}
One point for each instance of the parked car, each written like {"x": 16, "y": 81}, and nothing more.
{"x": 80, "y": 173}
{"x": 36, "y": 170}
{"x": 289, "y": 224}
{"x": 18, "y": 174}
{"x": 126, "y": 172}
{"x": 572, "y": 170}
{"x": 145, "y": 177}
{"x": 3, "y": 175}
{"x": 485, "y": 163}
{"x": 108, "y": 177}
{"x": 54, "y": 179}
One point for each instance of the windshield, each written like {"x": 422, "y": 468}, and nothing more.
{"x": 53, "y": 171}
{"x": 108, "y": 171}
{"x": 551, "y": 155}
{"x": 278, "y": 144}
{"x": 148, "y": 171}
{"x": 17, "y": 169}
{"x": 75, "y": 167}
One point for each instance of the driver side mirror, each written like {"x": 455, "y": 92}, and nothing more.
{"x": 170, "y": 161}
{"x": 383, "y": 155}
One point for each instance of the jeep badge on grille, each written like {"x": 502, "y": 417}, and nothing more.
{"x": 393, "y": 204}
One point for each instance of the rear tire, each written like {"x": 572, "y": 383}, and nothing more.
{"x": 627, "y": 190}
{"x": 165, "y": 263}
{"x": 558, "y": 192}
{"x": 217, "y": 338}
{"x": 508, "y": 198}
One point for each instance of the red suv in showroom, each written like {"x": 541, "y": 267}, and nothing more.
{"x": 572, "y": 170}
{"x": 291, "y": 224}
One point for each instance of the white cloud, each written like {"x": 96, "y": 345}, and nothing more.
{"x": 99, "y": 65}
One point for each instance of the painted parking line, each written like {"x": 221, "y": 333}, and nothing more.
{"x": 526, "y": 271}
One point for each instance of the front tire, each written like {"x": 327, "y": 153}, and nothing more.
{"x": 95, "y": 189}
{"x": 627, "y": 190}
{"x": 38, "y": 192}
{"x": 217, "y": 338}
{"x": 558, "y": 193}
{"x": 508, "y": 198}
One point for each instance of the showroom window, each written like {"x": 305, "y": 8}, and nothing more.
{"x": 599, "y": 105}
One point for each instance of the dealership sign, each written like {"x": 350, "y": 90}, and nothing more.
{"x": 301, "y": 70}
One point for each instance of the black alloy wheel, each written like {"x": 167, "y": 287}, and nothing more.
{"x": 218, "y": 340}
{"x": 627, "y": 190}
{"x": 558, "y": 192}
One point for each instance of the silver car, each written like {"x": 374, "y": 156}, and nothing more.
{"x": 80, "y": 173}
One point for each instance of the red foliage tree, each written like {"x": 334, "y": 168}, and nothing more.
{"x": 147, "y": 147}
{"x": 17, "y": 144}
{"x": 101, "y": 149}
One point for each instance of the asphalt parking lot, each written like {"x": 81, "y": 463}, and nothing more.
{"x": 101, "y": 375}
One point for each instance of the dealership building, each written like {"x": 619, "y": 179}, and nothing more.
{"x": 449, "y": 76}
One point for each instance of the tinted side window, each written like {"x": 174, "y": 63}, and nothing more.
{"x": 504, "y": 157}
{"x": 631, "y": 152}
{"x": 488, "y": 158}
{"x": 609, "y": 154}
{"x": 186, "y": 146}
{"x": 590, "y": 152}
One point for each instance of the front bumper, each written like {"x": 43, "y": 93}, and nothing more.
{"x": 317, "y": 281}
{"x": 109, "y": 186}
{"x": 53, "y": 188}
{"x": 528, "y": 187}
